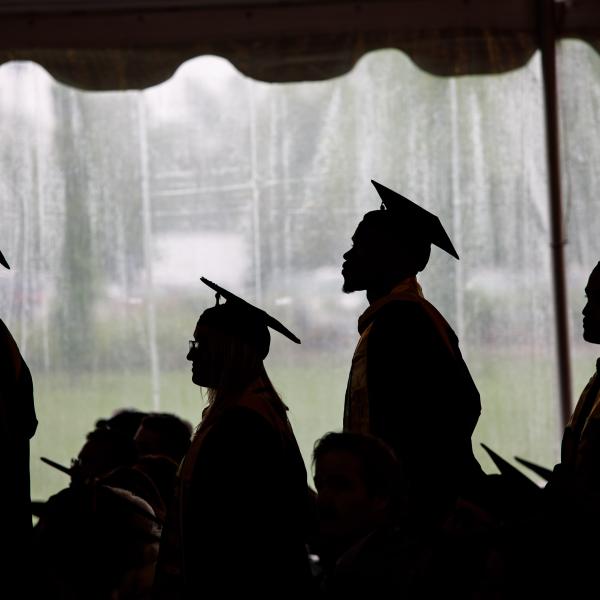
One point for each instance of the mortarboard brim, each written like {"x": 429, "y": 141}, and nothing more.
{"x": 112, "y": 491}
{"x": 253, "y": 312}
{"x": 56, "y": 465}
{"x": 542, "y": 472}
{"x": 3, "y": 261}
{"x": 516, "y": 478}
{"x": 419, "y": 221}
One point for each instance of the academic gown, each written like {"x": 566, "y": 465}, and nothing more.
{"x": 410, "y": 386}
{"x": 580, "y": 452}
{"x": 244, "y": 511}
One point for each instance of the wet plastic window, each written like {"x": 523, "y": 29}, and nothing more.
{"x": 114, "y": 204}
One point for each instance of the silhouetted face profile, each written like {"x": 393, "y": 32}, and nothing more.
{"x": 347, "y": 510}
{"x": 391, "y": 244}
{"x": 357, "y": 260}
{"x": 207, "y": 361}
{"x": 381, "y": 255}
{"x": 591, "y": 311}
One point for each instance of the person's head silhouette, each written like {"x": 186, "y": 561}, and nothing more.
{"x": 392, "y": 243}
{"x": 230, "y": 342}
{"x": 163, "y": 434}
{"x": 591, "y": 311}
{"x": 360, "y": 486}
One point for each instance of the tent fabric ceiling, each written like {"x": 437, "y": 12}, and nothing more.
{"x": 140, "y": 43}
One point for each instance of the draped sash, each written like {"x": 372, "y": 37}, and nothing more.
{"x": 356, "y": 406}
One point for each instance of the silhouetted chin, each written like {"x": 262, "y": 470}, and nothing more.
{"x": 348, "y": 287}
{"x": 197, "y": 379}
{"x": 593, "y": 337}
{"x": 202, "y": 382}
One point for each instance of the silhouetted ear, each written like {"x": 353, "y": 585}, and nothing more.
{"x": 3, "y": 261}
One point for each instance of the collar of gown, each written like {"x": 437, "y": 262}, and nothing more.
{"x": 407, "y": 289}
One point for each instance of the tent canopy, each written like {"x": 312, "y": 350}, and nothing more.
{"x": 134, "y": 44}
{"x": 139, "y": 43}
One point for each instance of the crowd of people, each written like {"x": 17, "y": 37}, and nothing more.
{"x": 400, "y": 506}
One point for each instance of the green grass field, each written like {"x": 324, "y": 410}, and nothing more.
{"x": 519, "y": 416}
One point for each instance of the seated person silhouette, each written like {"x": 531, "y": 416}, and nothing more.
{"x": 99, "y": 537}
{"x": 361, "y": 504}
{"x": 163, "y": 434}
{"x": 409, "y": 384}
{"x": 96, "y": 540}
{"x": 124, "y": 420}
{"x": 162, "y": 471}
{"x": 104, "y": 450}
{"x": 238, "y": 525}
{"x": 367, "y": 544}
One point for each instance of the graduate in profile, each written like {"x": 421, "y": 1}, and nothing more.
{"x": 239, "y": 522}
{"x": 408, "y": 383}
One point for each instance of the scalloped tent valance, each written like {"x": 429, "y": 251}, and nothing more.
{"x": 114, "y": 45}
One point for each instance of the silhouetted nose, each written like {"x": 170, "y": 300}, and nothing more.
{"x": 347, "y": 254}
{"x": 585, "y": 311}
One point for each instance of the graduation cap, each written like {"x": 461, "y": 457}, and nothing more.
{"x": 242, "y": 320}
{"x": 418, "y": 222}
{"x": 542, "y": 472}
{"x": 512, "y": 474}
{"x": 115, "y": 493}
{"x": 3, "y": 261}
{"x": 56, "y": 466}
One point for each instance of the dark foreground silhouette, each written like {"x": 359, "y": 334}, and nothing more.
{"x": 18, "y": 424}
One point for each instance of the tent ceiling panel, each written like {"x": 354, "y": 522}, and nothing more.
{"x": 62, "y": 6}
{"x": 139, "y": 44}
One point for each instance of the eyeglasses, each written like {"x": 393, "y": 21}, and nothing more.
{"x": 194, "y": 345}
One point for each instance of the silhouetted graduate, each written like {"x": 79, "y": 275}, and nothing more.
{"x": 17, "y": 426}
{"x": 238, "y": 527}
{"x": 573, "y": 490}
{"x": 580, "y": 452}
{"x": 408, "y": 383}
{"x": 553, "y": 552}
{"x": 572, "y": 494}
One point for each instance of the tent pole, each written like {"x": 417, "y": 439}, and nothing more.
{"x": 547, "y": 24}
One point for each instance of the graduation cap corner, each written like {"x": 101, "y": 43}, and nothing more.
{"x": 512, "y": 474}
{"x": 3, "y": 261}
{"x": 422, "y": 222}
{"x": 543, "y": 472}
